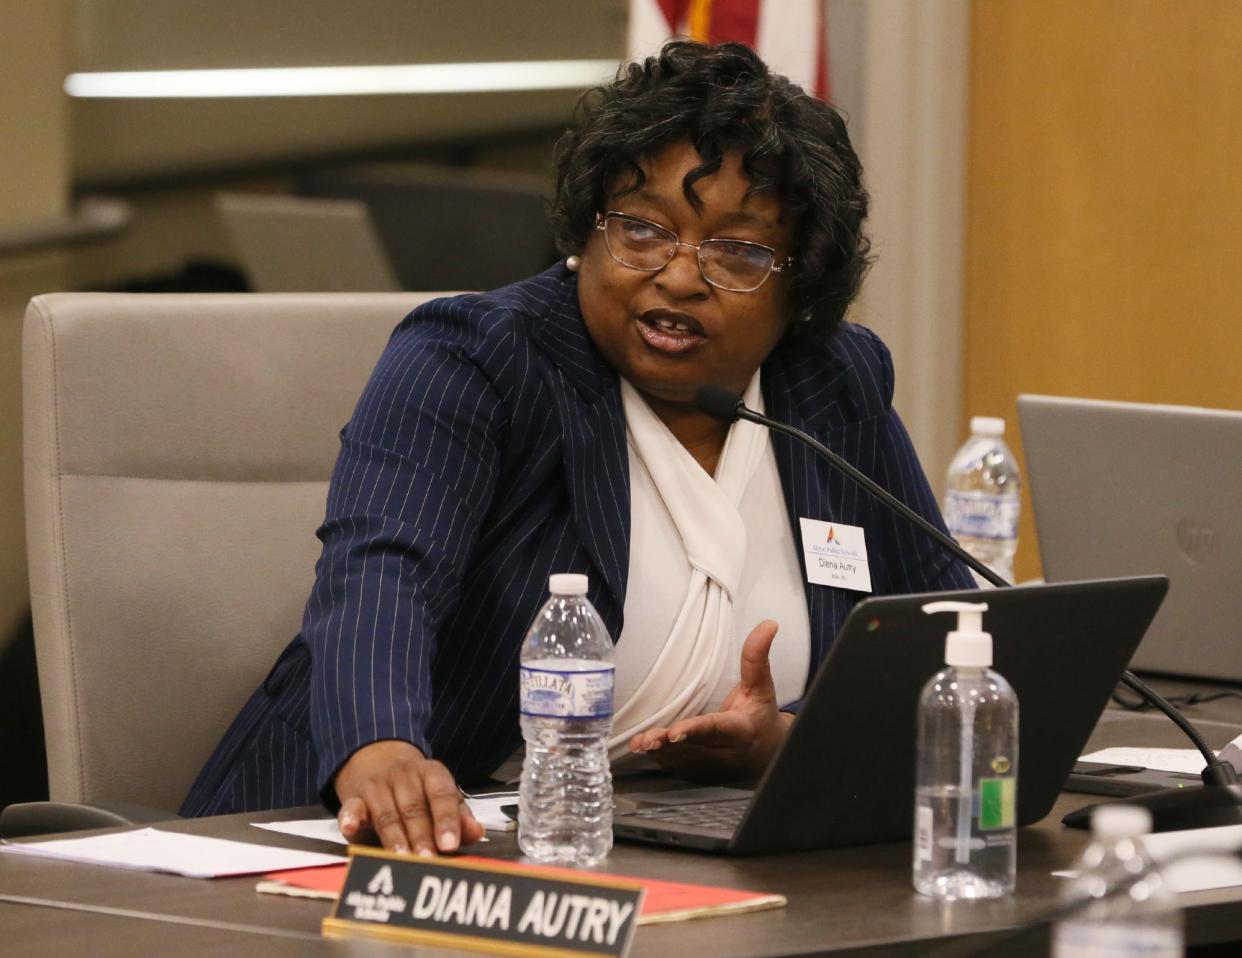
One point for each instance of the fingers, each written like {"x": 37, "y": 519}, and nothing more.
{"x": 353, "y": 819}
{"x": 471, "y": 830}
{"x": 756, "y": 673}
{"x": 410, "y": 802}
{"x": 712, "y": 729}
{"x": 445, "y": 802}
{"x": 400, "y": 815}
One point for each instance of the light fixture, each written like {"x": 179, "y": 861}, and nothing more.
{"x": 344, "y": 81}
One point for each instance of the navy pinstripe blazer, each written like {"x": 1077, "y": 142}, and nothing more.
{"x": 486, "y": 452}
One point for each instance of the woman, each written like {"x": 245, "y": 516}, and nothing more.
{"x": 711, "y": 215}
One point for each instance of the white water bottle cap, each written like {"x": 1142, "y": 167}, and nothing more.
{"x": 567, "y": 583}
{"x": 987, "y": 425}
{"x": 968, "y": 645}
{"x": 1120, "y": 821}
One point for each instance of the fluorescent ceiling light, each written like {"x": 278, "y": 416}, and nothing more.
{"x": 345, "y": 81}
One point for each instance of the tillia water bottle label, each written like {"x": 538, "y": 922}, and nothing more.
{"x": 545, "y": 693}
{"x": 982, "y": 516}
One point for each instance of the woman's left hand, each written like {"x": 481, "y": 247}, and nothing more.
{"x": 738, "y": 741}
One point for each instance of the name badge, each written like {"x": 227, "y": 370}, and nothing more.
{"x": 835, "y": 554}
{"x": 493, "y": 907}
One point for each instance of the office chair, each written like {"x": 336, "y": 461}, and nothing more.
{"x": 291, "y": 244}
{"x": 177, "y": 453}
{"x": 449, "y": 227}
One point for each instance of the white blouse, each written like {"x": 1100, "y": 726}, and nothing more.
{"x": 770, "y": 585}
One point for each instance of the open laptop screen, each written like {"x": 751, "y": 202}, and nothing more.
{"x": 1127, "y": 489}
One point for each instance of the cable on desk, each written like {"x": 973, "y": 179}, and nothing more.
{"x": 1177, "y": 701}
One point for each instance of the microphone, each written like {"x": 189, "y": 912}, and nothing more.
{"x": 1218, "y": 802}
{"x": 727, "y": 406}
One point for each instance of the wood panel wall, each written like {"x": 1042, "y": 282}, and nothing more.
{"x": 1104, "y": 219}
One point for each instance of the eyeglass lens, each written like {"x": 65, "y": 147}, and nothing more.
{"x": 729, "y": 264}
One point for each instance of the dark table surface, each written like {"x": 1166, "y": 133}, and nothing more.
{"x": 841, "y": 901}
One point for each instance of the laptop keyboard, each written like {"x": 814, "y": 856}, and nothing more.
{"x": 724, "y": 815}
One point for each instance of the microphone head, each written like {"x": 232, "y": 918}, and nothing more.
{"x": 718, "y": 402}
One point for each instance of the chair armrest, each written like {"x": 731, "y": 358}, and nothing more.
{"x": 24, "y": 819}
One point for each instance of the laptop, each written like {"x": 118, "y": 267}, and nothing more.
{"x": 845, "y": 775}
{"x": 1127, "y": 488}
{"x": 289, "y": 244}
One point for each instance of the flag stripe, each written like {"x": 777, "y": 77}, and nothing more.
{"x": 736, "y": 20}
{"x": 787, "y": 32}
{"x": 790, "y": 35}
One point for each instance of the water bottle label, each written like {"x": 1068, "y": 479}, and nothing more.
{"x": 923, "y": 824}
{"x": 982, "y": 516}
{"x": 996, "y": 803}
{"x": 547, "y": 693}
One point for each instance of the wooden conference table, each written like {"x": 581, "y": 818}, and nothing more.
{"x": 841, "y": 901}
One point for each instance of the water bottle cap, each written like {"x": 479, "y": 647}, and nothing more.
{"x": 987, "y": 425}
{"x": 1120, "y": 821}
{"x": 567, "y": 583}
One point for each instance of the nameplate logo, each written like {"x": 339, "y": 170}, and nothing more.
{"x": 490, "y": 907}
{"x": 835, "y": 554}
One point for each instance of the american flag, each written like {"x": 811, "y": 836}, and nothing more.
{"x": 790, "y": 35}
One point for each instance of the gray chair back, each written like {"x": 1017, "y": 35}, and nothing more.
{"x": 177, "y": 452}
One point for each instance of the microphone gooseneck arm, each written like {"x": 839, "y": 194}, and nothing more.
{"x": 876, "y": 490}
{"x": 722, "y": 404}
{"x": 1216, "y": 772}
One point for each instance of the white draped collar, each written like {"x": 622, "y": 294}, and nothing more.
{"x": 705, "y": 512}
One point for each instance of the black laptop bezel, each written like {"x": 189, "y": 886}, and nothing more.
{"x": 1063, "y": 646}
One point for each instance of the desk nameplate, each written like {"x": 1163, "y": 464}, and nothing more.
{"x": 492, "y": 907}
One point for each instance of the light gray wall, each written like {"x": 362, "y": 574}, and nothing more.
{"x": 847, "y": 25}
{"x": 115, "y": 140}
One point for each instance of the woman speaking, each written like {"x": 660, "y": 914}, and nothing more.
{"x": 710, "y": 213}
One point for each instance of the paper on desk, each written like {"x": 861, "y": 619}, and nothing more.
{"x": 1193, "y": 873}
{"x": 486, "y": 810}
{"x": 195, "y": 856}
{"x": 1187, "y": 760}
{"x": 1198, "y": 874}
{"x": 322, "y": 829}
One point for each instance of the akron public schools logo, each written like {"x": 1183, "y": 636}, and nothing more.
{"x": 1196, "y": 540}
{"x": 832, "y": 535}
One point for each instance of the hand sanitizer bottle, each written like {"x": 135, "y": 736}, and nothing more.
{"x": 965, "y": 835}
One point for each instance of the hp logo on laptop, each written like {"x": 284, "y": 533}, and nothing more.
{"x": 1196, "y": 540}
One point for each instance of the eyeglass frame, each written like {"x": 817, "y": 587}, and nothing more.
{"x": 601, "y": 223}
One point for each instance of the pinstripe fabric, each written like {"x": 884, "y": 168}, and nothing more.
{"x": 486, "y": 452}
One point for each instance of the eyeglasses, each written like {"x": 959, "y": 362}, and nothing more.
{"x": 738, "y": 266}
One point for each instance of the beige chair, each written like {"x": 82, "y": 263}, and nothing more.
{"x": 177, "y": 452}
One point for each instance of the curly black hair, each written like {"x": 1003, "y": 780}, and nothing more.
{"x": 724, "y": 99}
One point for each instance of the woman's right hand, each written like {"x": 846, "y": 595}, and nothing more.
{"x": 410, "y": 802}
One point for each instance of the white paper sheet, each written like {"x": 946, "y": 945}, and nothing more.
{"x": 322, "y": 829}
{"x": 1186, "y": 760}
{"x": 1193, "y": 873}
{"x": 485, "y": 808}
{"x": 195, "y": 856}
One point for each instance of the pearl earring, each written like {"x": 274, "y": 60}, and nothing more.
{"x": 572, "y": 263}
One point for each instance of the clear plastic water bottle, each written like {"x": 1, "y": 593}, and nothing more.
{"x": 565, "y": 696}
{"x": 1121, "y": 922}
{"x": 982, "y": 502}
{"x": 966, "y": 780}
